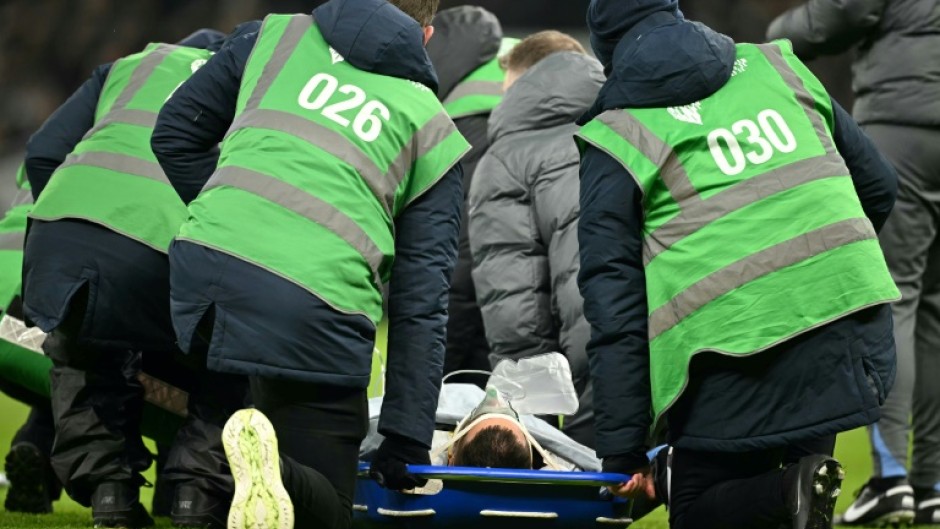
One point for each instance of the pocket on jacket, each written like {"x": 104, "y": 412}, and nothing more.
{"x": 877, "y": 358}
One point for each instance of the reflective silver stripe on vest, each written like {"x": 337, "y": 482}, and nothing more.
{"x": 475, "y": 88}
{"x": 695, "y": 216}
{"x": 121, "y": 163}
{"x": 755, "y": 266}
{"x": 305, "y": 205}
{"x": 118, "y": 113}
{"x": 129, "y": 116}
{"x": 12, "y": 240}
{"x": 775, "y": 55}
{"x": 295, "y": 31}
{"x": 144, "y": 70}
{"x": 23, "y": 196}
{"x": 430, "y": 135}
{"x": 383, "y": 185}
{"x": 659, "y": 152}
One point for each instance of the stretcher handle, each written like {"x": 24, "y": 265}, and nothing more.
{"x": 512, "y": 475}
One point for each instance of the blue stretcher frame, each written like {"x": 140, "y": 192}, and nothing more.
{"x": 494, "y": 498}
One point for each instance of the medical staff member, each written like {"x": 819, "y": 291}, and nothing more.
{"x": 730, "y": 268}
{"x": 338, "y": 172}
{"x": 96, "y": 277}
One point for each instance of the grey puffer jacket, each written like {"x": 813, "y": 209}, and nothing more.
{"x": 897, "y": 70}
{"x": 523, "y": 222}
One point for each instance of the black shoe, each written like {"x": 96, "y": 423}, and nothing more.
{"x": 194, "y": 508}
{"x": 927, "y": 511}
{"x": 31, "y": 480}
{"x": 881, "y": 502}
{"x": 813, "y": 491}
{"x": 117, "y": 504}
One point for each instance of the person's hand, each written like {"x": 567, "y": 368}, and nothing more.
{"x": 389, "y": 467}
{"x": 640, "y": 486}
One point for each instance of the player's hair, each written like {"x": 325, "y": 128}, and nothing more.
{"x": 536, "y": 47}
{"x": 421, "y": 10}
{"x": 493, "y": 447}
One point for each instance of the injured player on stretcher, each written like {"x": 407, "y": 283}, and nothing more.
{"x": 477, "y": 428}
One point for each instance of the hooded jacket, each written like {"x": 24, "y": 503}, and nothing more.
{"x": 267, "y": 326}
{"x": 897, "y": 66}
{"x": 524, "y": 218}
{"x": 827, "y": 380}
{"x": 465, "y": 38}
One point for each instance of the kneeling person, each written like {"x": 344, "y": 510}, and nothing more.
{"x": 309, "y": 210}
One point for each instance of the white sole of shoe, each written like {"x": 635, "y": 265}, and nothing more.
{"x": 260, "y": 500}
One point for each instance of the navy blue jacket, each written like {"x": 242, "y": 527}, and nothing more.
{"x": 658, "y": 59}
{"x": 373, "y": 36}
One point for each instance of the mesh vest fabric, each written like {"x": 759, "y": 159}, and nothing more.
{"x": 304, "y": 192}
{"x": 12, "y": 237}
{"x": 112, "y": 178}
{"x": 482, "y": 90}
{"x": 740, "y": 259}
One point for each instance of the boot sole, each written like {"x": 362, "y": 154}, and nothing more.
{"x": 827, "y": 483}
{"x": 260, "y": 500}
{"x": 27, "y": 492}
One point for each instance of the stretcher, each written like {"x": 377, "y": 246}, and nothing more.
{"x": 463, "y": 497}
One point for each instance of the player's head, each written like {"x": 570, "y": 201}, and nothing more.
{"x": 493, "y": 443}
{"x": 491, "y": 436}
{"x": 533, "y": 49}
{"x": 421, "y": 10}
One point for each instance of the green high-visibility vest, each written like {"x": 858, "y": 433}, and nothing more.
{"x": 482, "y": 90}
{"x": 112, "y": 178}
{"x": 12, "y": 235}
{"x": 753, "y": 230}
{"x": 319, "y": 161}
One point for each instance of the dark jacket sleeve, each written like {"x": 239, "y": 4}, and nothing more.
{"x": 826, "y": 27}
{"x": 193, "y": 122}
{"x": 58, "y": 136}
{"x": 875, "y": 180}
{"x": 613, "y": 285}
{"x": 425, "y": 254}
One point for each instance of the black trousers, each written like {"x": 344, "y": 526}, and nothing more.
{"x": 197, "y": 457}
{"x": 319, "y": 429}
{"x": 97, "y": 401}
{"x": 104, "y": 299}
{"x": 722, "y": 490}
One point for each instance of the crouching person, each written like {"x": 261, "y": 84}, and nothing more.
{"x": 730, "y": 269}
{"x": 524, "y": 212}
{"x": 96, "y": 275}
{"x": 310, "y": 210}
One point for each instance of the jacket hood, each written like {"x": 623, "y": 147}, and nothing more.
{"x": 375, "y": 36}
{"x": 664, "y": 60}
{"x": 553, "y": 92}
{"x": 610, "y": 20}
{"x": 465, "y": 38}
{"x": 245, "y": 28}
{"x": 203, "y": 39}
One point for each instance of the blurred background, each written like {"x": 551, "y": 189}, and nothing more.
{"x": 49, "y": 47}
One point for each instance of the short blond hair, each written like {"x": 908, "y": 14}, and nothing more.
{"x": 421, "y": 10}
{"x": 538, "y": 46}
